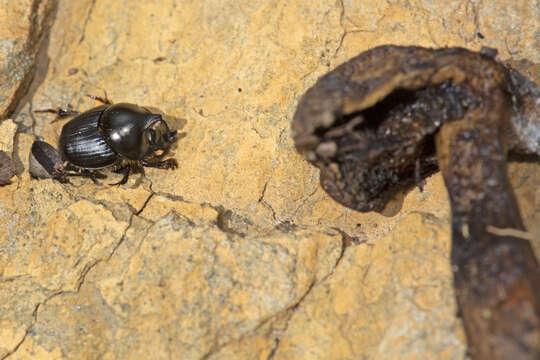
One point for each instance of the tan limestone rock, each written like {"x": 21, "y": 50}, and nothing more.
{"x": 184, "y": 290}
{"x": 8, "y": 128}
{"x": 23, "y": 26}
{"x": 390, "y": 300}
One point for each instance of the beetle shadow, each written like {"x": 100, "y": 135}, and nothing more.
{"x": 176, "y": 123}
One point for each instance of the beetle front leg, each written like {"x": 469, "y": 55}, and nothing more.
{"x": 165, "y": 164}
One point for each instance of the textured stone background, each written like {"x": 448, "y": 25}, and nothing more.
{"x": 238, "y": 254}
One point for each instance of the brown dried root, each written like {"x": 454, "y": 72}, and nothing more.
{"x": 393, "y": 114}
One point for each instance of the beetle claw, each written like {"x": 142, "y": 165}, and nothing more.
{"x": 171, "y": 164}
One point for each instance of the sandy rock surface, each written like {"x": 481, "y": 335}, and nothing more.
{"x": 238, "y": 254}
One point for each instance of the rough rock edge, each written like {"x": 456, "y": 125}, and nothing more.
{"x": 39, "y": 30}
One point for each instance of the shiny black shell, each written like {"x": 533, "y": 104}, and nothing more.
{"x": 124, "y": 127}
{"x": 82, "y": 144}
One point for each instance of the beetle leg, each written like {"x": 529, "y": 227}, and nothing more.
{"x": 60, "y": 175}
{"x": 60, "y": 112}
{"x": 63, "y": 180}
{"x": 94, "y": 175}
{"x": 139, "y": 168}
{"x": 165, "y": 164}
{"x": 104, "y": 100}
{"x": 126, "y": 170}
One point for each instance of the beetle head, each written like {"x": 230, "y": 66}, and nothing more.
{"x": 159, "y": 136}
{"x": 134, "y": 132}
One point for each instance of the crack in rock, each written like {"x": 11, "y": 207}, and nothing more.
{"x": 80, "y": 281}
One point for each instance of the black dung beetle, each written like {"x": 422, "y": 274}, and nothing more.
{"x": 123, "y": 136}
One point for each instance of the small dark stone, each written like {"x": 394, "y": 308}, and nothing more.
{"x": 7, "y": 168}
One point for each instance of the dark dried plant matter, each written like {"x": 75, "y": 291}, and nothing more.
{"x": 393, "y": 115}
{"x": 7, "y": 168}
{"x": 45, "y": 161}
